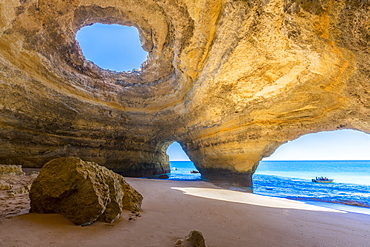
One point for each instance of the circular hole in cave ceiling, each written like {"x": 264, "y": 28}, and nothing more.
{"x": 113, "y": 47}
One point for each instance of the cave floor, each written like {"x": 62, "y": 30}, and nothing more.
{"x": 171, "y": 209}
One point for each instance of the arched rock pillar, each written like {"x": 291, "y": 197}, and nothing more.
{"x": 232, "y": 162}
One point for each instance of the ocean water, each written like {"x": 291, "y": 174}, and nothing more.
{"x": 181, "y": 170}
{"x": 292, "y": 180}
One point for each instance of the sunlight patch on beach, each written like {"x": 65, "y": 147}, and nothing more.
{"x": 251, "y": 199}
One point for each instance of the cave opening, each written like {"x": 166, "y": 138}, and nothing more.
{"x": 182, "y": 168}
{"x": 345, "y": 144}
{"x": 293, "y": 170}
{"x": 112, "y": 47}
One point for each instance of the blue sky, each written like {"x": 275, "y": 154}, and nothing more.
{"x": 176, "y": 153}
{"x": 113, "y": 47}
{"x": 118, "y": 48}
{"x": 331, "y": 145}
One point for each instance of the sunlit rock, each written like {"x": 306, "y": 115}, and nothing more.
{"x": 81, "y": 191}
{"x": 11, "y": 170}
{"x": 5, "y": 186}
{"x": 230, "y": 80}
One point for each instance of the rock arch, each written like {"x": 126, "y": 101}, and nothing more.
{"x": 232, "y": 80}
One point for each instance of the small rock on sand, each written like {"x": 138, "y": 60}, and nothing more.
{"x": 194, "y": 239}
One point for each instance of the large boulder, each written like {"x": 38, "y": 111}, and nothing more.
{"x": 82, "y": 191}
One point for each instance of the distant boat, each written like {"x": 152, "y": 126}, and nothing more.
{"x": 194, "y": 171}
{"x": 323, "y": 180}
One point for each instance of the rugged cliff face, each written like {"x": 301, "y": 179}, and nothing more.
{"x": 231, "y": 80}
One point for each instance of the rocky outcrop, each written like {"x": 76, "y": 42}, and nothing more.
{"x": 14, "y": 188}
{"x": 81, "y": 191}
{"x": 11, "y": 170}
{"x": 194, "y": 239}
{"x": 230, "y": 80}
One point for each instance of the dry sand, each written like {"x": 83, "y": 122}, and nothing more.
{"x": 171, "y": 209}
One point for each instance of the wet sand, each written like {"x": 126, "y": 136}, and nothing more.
{"x": 171, "y": 209}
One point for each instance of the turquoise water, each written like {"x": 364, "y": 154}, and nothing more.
{"x": 292, "y": 180}
{"x": 180, "y": 170}
{"x": 343, "y": 171}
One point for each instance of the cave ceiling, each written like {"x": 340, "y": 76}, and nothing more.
{"x": 230, "y": 80}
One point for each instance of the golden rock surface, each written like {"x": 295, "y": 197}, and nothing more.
{"x": 231, "y": 80}
{"x": 82, "y": 191}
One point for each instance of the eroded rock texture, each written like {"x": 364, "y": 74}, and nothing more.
{"x": 14, "y": 190}
{"x": 11, "y": 170}
{"x": 81, "y": 191}
{"x": 231, "y": 80}
{"x": 194, "y": 239}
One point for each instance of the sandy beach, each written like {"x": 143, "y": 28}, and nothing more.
{"x": 171, "y": 209}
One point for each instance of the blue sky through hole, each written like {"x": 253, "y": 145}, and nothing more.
{"x": 328, "y": 145}
{"x": 118, "y": 48}
{"x": 176, "y": 153}
{"x": 114, "y": 47}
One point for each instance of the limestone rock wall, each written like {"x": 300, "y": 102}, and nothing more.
{"x": 231, "y": 80}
